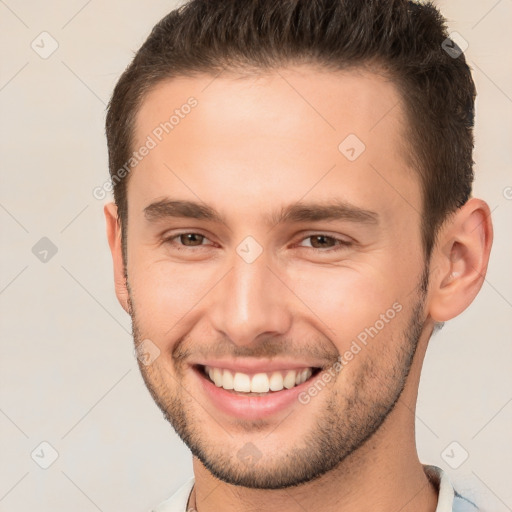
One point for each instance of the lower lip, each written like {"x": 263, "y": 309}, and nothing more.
{"x": 250, "y": 407}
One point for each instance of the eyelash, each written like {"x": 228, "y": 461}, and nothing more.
{"x": 341, "y": 244}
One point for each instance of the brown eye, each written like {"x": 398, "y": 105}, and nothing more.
{"x": 186, "y": 240}
{"x": 328, "y": 243}
{"x": 191, "y": 239}
{"x": 321, "y": 241}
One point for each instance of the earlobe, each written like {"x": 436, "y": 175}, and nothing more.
{"x": 460, "y": 259}
{"x": 113, "y": 226}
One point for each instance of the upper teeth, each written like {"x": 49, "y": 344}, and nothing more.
{"x": 260, "y": 382}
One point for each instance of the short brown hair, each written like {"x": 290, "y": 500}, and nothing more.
{"x": 405, "y": 38}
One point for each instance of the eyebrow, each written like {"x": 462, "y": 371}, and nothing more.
{"x": 295, "y": 212}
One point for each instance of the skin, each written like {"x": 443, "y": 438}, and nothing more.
{"x": 252, "y": 145}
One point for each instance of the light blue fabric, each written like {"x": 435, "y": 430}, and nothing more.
{"x": 449, "y": 500}
{"x": 461, "y": 504}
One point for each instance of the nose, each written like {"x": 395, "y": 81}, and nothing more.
{"x": 250, "y": 301}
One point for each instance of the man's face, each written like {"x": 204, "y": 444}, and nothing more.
{"x": 257, "y": 288}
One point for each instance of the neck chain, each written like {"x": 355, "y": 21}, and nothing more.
{"x": 191, "y": 507}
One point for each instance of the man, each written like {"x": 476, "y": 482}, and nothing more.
{"x": 292, "y": 220}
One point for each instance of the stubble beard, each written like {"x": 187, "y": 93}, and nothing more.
{"x": 351, "y": 416}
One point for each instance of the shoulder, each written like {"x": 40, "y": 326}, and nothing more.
{"x": 462, "y": 504}
{"x": 449, "y": 500}
{"x": 178, "y": 501}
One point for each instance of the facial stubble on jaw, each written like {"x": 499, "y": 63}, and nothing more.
{"x": 345, "y": 424}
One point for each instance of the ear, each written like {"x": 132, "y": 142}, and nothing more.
{"x": 460, "y": 259}
{"x": 114, "y": 241}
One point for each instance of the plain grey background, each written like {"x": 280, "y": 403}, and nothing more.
{"x": 69, "y": 378}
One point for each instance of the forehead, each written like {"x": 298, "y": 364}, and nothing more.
{"x": 284, "y": 129}
{"x": 355, "y": 100}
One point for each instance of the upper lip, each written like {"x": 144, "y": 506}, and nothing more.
{"x": 257, "y": 366}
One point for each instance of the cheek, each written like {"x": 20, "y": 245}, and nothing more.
{"x": 164, "y": 294}
{"x": 349, "y": 300}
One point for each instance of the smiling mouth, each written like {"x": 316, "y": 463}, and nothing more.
{"x": 256, "y": 384}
